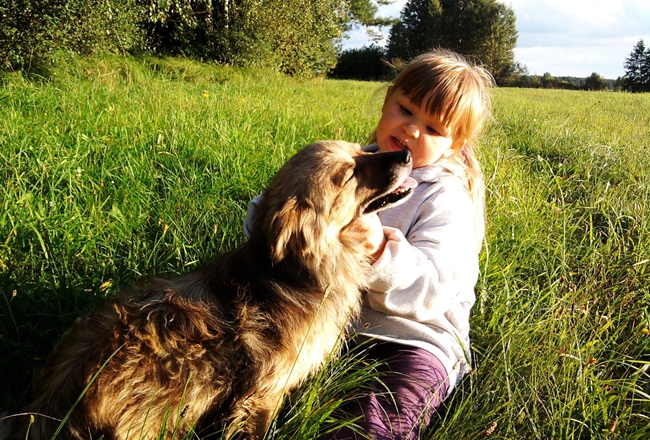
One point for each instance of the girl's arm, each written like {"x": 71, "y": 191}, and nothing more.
{"x": 435, "y": 267}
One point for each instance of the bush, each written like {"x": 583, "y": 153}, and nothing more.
{"x": 292, "y": 36}
{"x": 33, "y": 30}
{"x": 367, "y": 64}
{"x": 595, "y": 82}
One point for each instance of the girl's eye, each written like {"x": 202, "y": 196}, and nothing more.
{"x": 432, "y": 130}
{"x": 405, "y": 110}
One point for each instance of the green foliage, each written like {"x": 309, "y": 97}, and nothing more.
{"x": 194, "y": 28}
{"x": 367, "y": 63}
{"x": 33, "y": 31}
{"x": 548, "y": 81}
{"x": 482, "y": 29}
{"x": 416, "y": 32}
{"x": 595, "y": 82}
{"x": 120, "y": 167}
{"x": 637, "y": 69}
{"x": 365, "y": 13}
{"x": 297, "y": 37}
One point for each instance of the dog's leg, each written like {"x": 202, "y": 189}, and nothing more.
{"x": 257, "y": 412}
{"x": 261, "y": 423}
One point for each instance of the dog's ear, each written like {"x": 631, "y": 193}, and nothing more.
{"x": 284, "y": 227}
{"x": 296, "y": 230}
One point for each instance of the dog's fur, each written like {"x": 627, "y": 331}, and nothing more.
{"x": 221, "y": 346}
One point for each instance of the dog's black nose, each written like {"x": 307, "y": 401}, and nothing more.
{"x": 407, "y": 156}
{"x": 403, "y": 156}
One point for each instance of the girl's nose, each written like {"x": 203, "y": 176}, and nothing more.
{"x": 411, "y": 130}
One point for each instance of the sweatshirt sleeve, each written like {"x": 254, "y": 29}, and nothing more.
{"x": 250, "y": 215}
{"x": 426, "y": 273}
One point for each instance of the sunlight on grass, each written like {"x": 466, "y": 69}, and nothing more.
{"x": 116, "y": 168}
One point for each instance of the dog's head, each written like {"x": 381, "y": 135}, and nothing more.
{"x": 321, "y": 190}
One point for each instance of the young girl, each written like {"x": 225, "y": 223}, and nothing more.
{"x": 425, "y": 250}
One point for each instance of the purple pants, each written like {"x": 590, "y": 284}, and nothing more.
{"x": 418, "y": 384}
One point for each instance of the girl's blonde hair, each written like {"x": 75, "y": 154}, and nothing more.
{"x": 456, "y": 92}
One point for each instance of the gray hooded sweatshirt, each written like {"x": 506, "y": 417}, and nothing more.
{"x": 422, "y": 286}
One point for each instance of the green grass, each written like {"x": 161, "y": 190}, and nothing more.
{"x": 115, "y": 168}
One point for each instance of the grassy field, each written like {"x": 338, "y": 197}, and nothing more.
{"x": 116, "y": 168}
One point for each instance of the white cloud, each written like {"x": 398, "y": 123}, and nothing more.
{"x": 578, "y": 37}
{"x": 587, "y": 11}
{"x": 566, "y": 37}
{"x": 570, "y": 61}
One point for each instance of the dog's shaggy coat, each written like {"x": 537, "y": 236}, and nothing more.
{"x": 221, "y": 346}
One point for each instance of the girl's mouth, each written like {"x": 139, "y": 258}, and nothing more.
{"x": 399, "y": 144}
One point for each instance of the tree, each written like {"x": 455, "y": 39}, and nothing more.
{"x": 298, "y": 37}
{"x": 364, "y": 13}
{"x": 595, "y": 82}
{"x": 484, "y": 29}
{"x": 481, "y": 29}
{"x": 31, "y": 31}
{"x": 548, "y": 81}
{"x": 413, "y": 34}
{"x": 637, "y": 69}
{"x": 618, "y": 83}
{"x": 366, "y": 63}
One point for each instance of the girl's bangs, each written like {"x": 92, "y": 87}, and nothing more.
{"x": 451, "y": 99}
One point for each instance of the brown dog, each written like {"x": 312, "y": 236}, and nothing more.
{"x": 221, "y": 346}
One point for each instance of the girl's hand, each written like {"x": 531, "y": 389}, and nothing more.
{"x": 370, "y": 227}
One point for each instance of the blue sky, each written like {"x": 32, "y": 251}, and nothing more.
{"x": 565, "y": 37}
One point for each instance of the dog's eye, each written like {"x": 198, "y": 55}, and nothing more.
{"x": 343, "y": 176}
{"x": 349, "y": 175}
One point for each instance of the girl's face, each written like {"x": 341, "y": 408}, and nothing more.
{"x": 405, "y": 126}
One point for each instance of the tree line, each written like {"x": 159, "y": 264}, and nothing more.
{"x": 484, "y": 30}
{"x": 297, "y": 37}
{"x": 635, "y": 79}
{"x": 547, "y": 81}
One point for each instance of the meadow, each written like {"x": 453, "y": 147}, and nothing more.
{"x": 114, "y": 168}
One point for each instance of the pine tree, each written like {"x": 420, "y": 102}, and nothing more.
{"x": 637, "y": 69}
